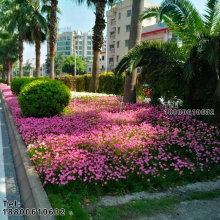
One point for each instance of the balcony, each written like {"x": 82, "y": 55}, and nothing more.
{"x": 112, "y": 36}
{"x": 113, "y": 22}
{"x": 112, "y": 50}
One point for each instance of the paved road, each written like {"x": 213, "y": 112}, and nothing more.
{"x": 8, "y": 183}
{"x": 192, "y": 210}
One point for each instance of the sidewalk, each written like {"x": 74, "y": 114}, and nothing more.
{"x": 8, "y": 183}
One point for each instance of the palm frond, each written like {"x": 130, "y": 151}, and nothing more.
{"x": 149, "y": 13}
{"x": 212, "y": 16}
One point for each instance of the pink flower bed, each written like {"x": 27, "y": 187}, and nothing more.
{"x": 89, "y": 144}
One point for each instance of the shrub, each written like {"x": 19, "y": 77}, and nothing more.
{"x": 43, "y": 98}
{"x": 2, "y": 81}
{"x": 82, "y": 82}
{"x": 108, "y": 83}
{"x": 18, "y": 83}
{"x": 68, "y": 80}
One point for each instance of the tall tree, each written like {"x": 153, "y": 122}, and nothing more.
{"x": 8, "y": 53}
{"x": 98, "y": 38}
{"x": 15, "y": 14}
{"x": 135, "y": 37}
{"x": 37, "y": 30}
{"x": 53, "y": 35}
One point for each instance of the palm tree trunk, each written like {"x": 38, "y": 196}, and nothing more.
{"x": 53, "y": 36}
{"x": 97, "y": 43}
{"x": 37, "y": 51}
{"x": 21, "y": 50}
{"x": 217, "y": 91}
{"x": 8, "y": 70}
{"x": 4, "y": 72}
{"x": 135, "y": 37}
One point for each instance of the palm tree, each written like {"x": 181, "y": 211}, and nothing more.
{"x": 195, "y": 30}
{"x": 135, "y": 37}
{"x": 8, "y": 52}
{"x": 15, "y": 15}
{"x": 98, "y": 38}
{"x": 36, "y": 31}
{"x": 53, "y": 34}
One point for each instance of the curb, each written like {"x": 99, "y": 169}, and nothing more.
{"x": 33, "y": 195}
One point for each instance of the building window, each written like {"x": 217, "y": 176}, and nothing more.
{"x": 127, "y": 43}
{"x": 89, "y": 53}
{"x": 119, "y": 15}
{"x": 67, "y": 53}
{"x": 113, "y": 22}
{"x": 112, "y": 47}
{"x": 90, "y": 69}
{"x": 118, "y": 44}
{"x": 89, "y": 37}
{"x": 80, "y": 42}
{"x": 77, "y": 42}
{"x": 128, "y": 28}
{"x": 103, "y": 57}
{"x": 117, "y": 58}
{"x": 119, "y": 30}
{"x": 129, "y": 13}
{"x": 111, "y": 60}
{"x": 67, "y": 48}
{"x": 89, "y": 48}
{"x": 89, "y": 42}
{"x": 103, "y": 67}
{"x": 80, "y": 47}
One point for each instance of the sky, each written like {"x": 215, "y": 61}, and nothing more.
{"x": 80, "y": 17}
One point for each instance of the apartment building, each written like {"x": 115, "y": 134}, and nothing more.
{"x": 157, "y": 32}
{"x": 118, "y": 30}
{"x": 71, "y": 42}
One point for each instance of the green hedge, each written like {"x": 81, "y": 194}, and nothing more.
{"x": 108, "y": 83}
{"x": 18, "y": 83}
{"x": 44, "y": 98}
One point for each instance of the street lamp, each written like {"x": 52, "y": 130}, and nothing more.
{"x": 75, "y": 54}
{"x": 106, "y": 55}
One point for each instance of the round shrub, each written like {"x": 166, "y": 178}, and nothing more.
{"x": 44, "y": 98}
{"x": 18, "y": 83}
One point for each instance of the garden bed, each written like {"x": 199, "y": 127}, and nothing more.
{"x": 93, "y": 149}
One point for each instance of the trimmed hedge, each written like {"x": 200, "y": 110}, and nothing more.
{"x": 44, "y": 98}
{"x": 18, "y": 83}
{"x": 108, "y": 83}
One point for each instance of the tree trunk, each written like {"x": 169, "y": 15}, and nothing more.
{"x": 130, "y": 87}
{"x": 37, "y": 51}
{"x": 21, "y": 50}
{"x": 53, "y": 36}
{"x": 217, "y": 91}
{"x": 135, "y": 37}
{"x": 8, "y": 70}
{"x": 94, "y": 84}
{"x": 4, "y": 72}
{"x": 97, "y": 43}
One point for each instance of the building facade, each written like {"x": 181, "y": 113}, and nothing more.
{"x": 157, "y": 32}
{"x": 118, "y": 30}
{"x": 71, "y": 42}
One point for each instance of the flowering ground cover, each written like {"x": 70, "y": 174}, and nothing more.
{"x": 93, "y": 143}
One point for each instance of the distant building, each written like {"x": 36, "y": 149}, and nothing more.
{"x": 71, "y": 42}
{"x": 118, "y": 30}
{"x": 159, "y": 32}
